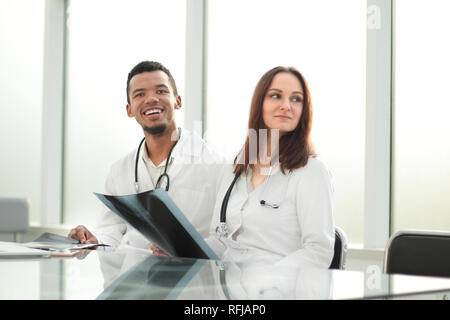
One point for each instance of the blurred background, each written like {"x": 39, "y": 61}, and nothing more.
{"x": 377, "y": 72}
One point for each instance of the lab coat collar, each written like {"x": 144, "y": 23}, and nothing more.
{"x": 190, "y": 144}
{"x": 188, "y": 149}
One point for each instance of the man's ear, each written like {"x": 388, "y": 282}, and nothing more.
{"x": 129, "y": 113}
{"x": 178, "y": 103}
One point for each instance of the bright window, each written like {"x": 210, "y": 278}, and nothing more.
{"x": 106, "y": 39}
{"x": 326, "y": 41}
{"x": 421, "y": 170}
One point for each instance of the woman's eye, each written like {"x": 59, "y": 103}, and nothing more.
{"x": 296, "y": 99}
{"x": 275, "y": 95}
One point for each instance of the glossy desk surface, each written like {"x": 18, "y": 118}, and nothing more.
{"x": 135, "y": 274}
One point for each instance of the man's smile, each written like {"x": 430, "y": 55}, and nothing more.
{"x": 153, "y": 112}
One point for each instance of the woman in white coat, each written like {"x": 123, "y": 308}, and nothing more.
{"x": 279, "y": 208}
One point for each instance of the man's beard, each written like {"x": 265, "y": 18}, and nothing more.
{"x": 156, "y": 130}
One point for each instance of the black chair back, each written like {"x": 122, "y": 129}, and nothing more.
{"x": 340, "y": 249}
{"x": 418, "y": 252}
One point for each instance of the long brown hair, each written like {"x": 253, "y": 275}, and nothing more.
{"x": 295, "y": 147}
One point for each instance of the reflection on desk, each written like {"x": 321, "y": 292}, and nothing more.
{"x": 178, "y": 278}
{"x": 129, "y": 273}
{"x": 140, "y": 275}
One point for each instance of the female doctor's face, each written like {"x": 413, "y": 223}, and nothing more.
{"x": 283, "y": 103}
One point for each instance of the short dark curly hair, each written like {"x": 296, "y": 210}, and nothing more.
{"x": 149, "y": 66}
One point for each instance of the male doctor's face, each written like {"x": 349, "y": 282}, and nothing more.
{"x": 152, "y": 102}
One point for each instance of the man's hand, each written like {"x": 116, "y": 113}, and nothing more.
{"x": 83, "y": 234}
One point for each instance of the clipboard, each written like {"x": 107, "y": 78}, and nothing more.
{"x": 154, "y": 214}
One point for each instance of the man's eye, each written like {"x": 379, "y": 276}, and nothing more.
{"x": 140, "y": 94}
{"x": 161, "y": 91}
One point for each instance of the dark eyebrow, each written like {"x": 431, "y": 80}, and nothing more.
{"x": 157, "y": 86}
{"x": 278, "y": 90}
{"x": 136, "y": 90}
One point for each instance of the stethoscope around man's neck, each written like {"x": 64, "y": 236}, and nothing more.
{"x": 222, "y": 229}
{"x": 164, "y": 175}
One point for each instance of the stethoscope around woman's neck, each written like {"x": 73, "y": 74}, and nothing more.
{"x": 222, "y": 229}
{"x": 163, "y": 175}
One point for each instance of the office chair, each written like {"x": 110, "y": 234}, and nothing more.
{"x": 340, "y": 249}
{"x": 418, "y": 252}
{"x": 14, "y": 216}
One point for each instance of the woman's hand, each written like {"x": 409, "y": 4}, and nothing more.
{"x": 157, "y": 251}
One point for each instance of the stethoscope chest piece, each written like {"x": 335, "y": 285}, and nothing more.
{"x": 222, "y": 230}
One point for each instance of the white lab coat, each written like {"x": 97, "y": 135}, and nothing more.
{"x": 299, "y": 233}
{"x": 193, "y": 187}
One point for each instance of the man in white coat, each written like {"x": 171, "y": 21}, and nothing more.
{"x": 192, "y": 167}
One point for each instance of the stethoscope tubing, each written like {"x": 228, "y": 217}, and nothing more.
{"x": 136, "y": 182}
{"x": 222, "y": 229}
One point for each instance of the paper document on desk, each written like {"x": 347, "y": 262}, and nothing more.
{"x": 54, "y": 242}
{"x": 154, "y": 214}
{"x": 16, "y": 250}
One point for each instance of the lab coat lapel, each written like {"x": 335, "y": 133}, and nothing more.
{"x": 176, "y": 167}
{"x": 145, "y": 181}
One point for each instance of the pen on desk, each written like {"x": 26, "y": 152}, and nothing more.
{"x": 46, "y": 249}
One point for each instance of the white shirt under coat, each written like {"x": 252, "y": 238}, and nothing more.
{"x": 299, "y": 233}
{"x": 193, "y": 187}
